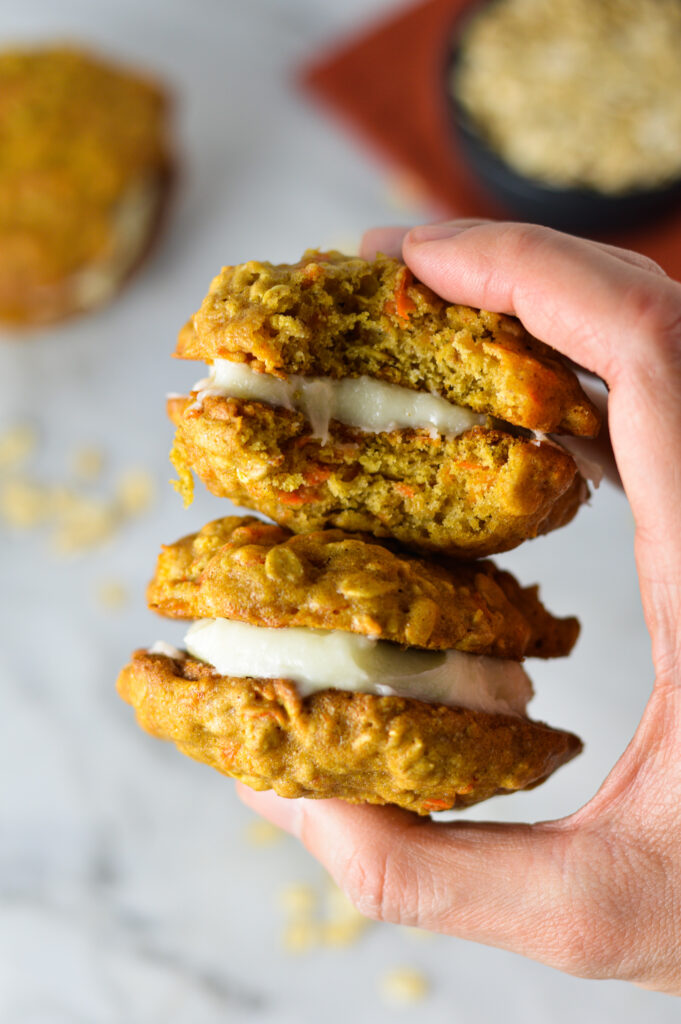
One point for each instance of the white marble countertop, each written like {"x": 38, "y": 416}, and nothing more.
{"x": 132, "y": 887}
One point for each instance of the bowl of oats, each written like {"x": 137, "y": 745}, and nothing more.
{"x": 568, "y": 112}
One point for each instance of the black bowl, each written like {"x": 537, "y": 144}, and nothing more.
{"x": 577, "y": 210}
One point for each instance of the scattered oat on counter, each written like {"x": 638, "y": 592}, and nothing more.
{"x": 417, "y": 934}
{"x": 263, "y": 833}
{"x": 301, "y": 936}
{"x": 319, "y": 917}
{"x": 24, "y": 504}
{"x": 17, "y": 443}
{"x": 77, "y": 516}
{"x": 403, "y": 985}
{"x": 344, "y": 924}
{"x": 85, "y": 522}
{"x": 112, "y": 594}
{"x": 135, "y": 491}
{"x": 299, "y": 899}
{"x": 88, "y": 463}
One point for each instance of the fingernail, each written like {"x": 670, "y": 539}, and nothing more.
{"x": 436, "y": 232}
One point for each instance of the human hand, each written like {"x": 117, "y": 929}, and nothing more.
{"x": 597, "y": 894}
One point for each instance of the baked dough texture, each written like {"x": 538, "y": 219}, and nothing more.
{"x": 241, "y": 568}
{"x": 84, "y": 168}
{"x": 477, "y": 494}
{"x": 362, "y": 748}
{"x": 341, "y": 316}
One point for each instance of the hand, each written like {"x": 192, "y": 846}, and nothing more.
{"x": 597, "y": 894}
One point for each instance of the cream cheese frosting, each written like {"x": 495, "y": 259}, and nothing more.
{"x": 366, "y": 403}
{"x": 316, "y": 659}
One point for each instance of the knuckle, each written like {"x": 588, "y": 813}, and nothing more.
{"x": 376, "y": 883}
{"x": 654, "y": 309}
{"x": 524, "y": 238}
{"x": 646, "y": 263}
{"x": 364, "y": 882}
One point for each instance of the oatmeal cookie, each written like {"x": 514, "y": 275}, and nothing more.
{"x": 356, "y": 746}
{"x": 477, "y": 494}
{"x": 84, "y": 169}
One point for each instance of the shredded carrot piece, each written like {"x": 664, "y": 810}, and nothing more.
{"x": 229, "y": 751}
{"x": 404, "y": 304}
{"x": 471, "y": 465}
{"x": 405, "y": 490}
{"x": 438, "y": 805}
{"x": 295, "y": 499}
{"x": 255, "y": 532}
{"x": 317, "y": 474}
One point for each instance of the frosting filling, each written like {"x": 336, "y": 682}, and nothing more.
{"x": 366, "y": 403}
{"x": 133, "y": 221}
{"x": 317, "y": 659}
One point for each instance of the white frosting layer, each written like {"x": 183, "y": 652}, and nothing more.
{"x": 161, "y": 647}
{"x": 132, "y": 223}
{"x": 317, "y": 659}
{"x": 361, "y": 402}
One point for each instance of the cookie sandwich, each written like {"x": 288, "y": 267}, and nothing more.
{"x": 344, "y": 393}
{"x": 329, "y": 664}
{"x": 84, "y": 171}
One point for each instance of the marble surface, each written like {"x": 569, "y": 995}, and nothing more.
{"x": 131, "y": 886}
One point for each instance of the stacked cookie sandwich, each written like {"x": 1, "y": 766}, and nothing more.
{"x": 379, "y": 666}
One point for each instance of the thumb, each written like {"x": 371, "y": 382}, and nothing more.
{"x": 532, "y": 889}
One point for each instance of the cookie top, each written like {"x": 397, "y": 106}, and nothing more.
{"x": 241, "y": 568}
{"x": 76, "y": 134}
{"x": 337, "y": 316}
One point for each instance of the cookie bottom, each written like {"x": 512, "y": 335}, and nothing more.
{"x": 477, "y": 494}
{"x": 358, "y": 747}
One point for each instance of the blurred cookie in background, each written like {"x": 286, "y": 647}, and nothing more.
{"x": 84, "y": 173}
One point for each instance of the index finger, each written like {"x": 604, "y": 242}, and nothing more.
{"x": 592, "y": 302}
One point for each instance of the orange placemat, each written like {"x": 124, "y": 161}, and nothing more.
{"x": 390, "y": 86}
